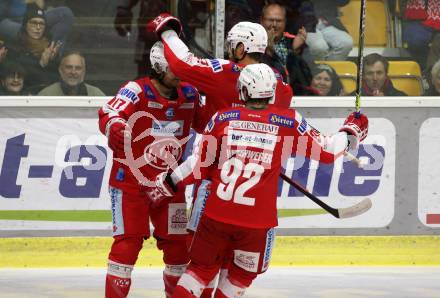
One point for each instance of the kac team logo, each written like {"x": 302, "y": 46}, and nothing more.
{"x": 163, "y": 154}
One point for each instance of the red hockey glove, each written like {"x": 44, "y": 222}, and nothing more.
{"x": 163, "y": 22}
{"x": 116, "y": 134}
{"x": 356, "y": 127}
{"x": 164, "y": 189}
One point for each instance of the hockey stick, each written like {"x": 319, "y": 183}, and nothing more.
{"x": 357, "y": 103}
{"x": 357, "y": 209}
{"x": 360, "y": 58}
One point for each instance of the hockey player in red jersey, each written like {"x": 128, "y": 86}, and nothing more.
{"x": 247, "y": 147}
{"x": 216, "y": 78}
{"x": 246, "y": 42}
{"x": 147, "y": 124}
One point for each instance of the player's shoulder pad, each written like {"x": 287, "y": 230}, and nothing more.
{"x": 282, "y": 117}
{"x": 302, "y": 125}
{"x": 189, "y": 92}
{"x": 210, "y": 126}
{"x": 217, "y": 64}
{"x": 228, "y": 115}
{"x": 130, "y": 92}
{"x": 148, "y": 91}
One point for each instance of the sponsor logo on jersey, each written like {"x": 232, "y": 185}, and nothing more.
{"x": 167, "y": 128}
{"x": 281, "y": 120}
{"x": 128, "y": 94}
{"x": 189, "y": 92}
{"x": 270, "y": 237}
{"x": 187, "y": 105}
{"x": 116, "y": 205}
{"x": 246, "y": 260}
{"x": 234, "y": 105}
{"x": 259, "y": 157}
{"x": 177, "y": 218}
{"x": 302, "y": 127}
{"x": 148, "y": 92}
{"x": 215, "y": 65}
{"x": 226, "y": 116}
{"x": 155, "y": 105}
{"x": 170, "y": 113}
{"x": 236, "y": 68}
{"x": 251, "y": 139}
{"x": 255, "y": 126}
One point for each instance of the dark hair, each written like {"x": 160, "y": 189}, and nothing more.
{"x": 72, "y": 52}
{"x": 373, "y": 58}
{"x": 336, "y": 87}
{"x": 11, "y": 68}
{"x": 255, "y": 56}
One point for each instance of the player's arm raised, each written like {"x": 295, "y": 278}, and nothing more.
{"x": 183, "y": 63}
{"x": 311, "y": 143}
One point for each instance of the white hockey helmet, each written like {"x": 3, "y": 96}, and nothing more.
{"x": 157, "y": 58}
{"x": 256, "y": 81}
{"x": 252, "y": 35}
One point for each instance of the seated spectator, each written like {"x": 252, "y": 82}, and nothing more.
{"x": 375, "y": 78}
{"x": 59, "y": 19}
{"x": 72, "y": 71}
{"x": 434, "y": 86}
{"x": 434, "y": 51}
{"x": 330, "y": 40}
{"x": 3, "y": 51}
{"x": 300, "y": 76}
{"x": 280, "y": 43}
{"x": 423, "y": 23}
{"x": 13, "y": 79}
{"x": 326, "y": 81}
{"x": 34, "y": 49}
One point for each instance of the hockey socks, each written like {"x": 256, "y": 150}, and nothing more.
{"x": 171, "y": 276}
{"x": 118, "y": 280}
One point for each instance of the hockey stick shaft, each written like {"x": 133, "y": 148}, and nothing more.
{"x": 305, "y": 192}
{"x": 360, "y": 57}
{"x": 347, "y": 212}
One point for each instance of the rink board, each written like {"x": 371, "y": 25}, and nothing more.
{"x": 55, "y": 160}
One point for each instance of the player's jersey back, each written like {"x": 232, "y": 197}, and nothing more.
{"x": 250, "y": 149}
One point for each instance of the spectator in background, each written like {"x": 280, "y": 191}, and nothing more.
{"x": 330, "y": 40}
{"x": 12, "y": 79}
{"x": 35, "y": 51}
{"x": 280, "y": 43}
{"x": 375, "y": 78}
{"x": 72, "y": 72}
{"x": 423, "y": 24}
{"x": 434, "y": 86}
{"x": 3, "y": 51}
{"x": 326, "y": 81}
{"x": 149, "y": 9}
{"x": 59, "y": 19}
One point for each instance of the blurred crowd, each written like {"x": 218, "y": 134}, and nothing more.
{"x": 39, "y": 57}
